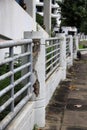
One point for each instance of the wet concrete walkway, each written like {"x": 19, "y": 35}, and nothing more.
{"x": 67, "y": 109}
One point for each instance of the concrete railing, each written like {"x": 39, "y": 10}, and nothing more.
{"x": 14, "y": 90}
{"x": 49, "y": 67}
{"x": 76, "y": 44}
{"x": 82, "y": 37}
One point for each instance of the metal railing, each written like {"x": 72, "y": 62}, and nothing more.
{"x": 15, "y": 79}
{"x": 67, "y": 47}
{"x": 52, "y": 55}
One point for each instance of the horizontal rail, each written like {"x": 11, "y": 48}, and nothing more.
{"x": 52, "y": 47}
{"x": 6, "y": 89}
{"x": 14, "y": 58}
{"x": 11, "y": 115}
{"x": 54, "y": 68}
{"x": 18, "y": 76}
{"x": 52, "y": 64}
{"x": 49, "y": 46}
{"x": 54, "y": 38}
{"x": 6, "y": 44}
{"x": 6, "y": 75}
{"x": 58, "y": 54}
{"x": 21, "y": 79}
{"x": 22, "y": 90}
{"x": 7, "y": 103}
{"x": 22, "y": 67}
{"x": 51, "y": 52}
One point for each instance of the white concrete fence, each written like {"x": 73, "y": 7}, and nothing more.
{"x": 82, "y": 36}
{"x": 51, "y": 57}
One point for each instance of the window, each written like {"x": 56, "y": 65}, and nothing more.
{"x": 41, "y": 0}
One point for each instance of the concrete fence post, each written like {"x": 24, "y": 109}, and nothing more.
{"x": 63, "y": 55}
{"x": 38, "y": 76}
{"x": 76, "y": 45}
{"x": 40, "y": 73}
{"x": 71, "y": 50}
{"x": 77, "y": 42}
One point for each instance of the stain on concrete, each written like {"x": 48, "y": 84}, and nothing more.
{"x": 67, "y": 110}
{"x": 36, "y": 50}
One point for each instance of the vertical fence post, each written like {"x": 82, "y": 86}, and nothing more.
{"x": 29, "y": 47}
{"x": 40, "y": 100}
{"x": 63, "y": 55}
{"x": 11, "y": 54}
{"x": 38, "y": 76}
{"x": 24, "y": 60}
{"x": 71, "y": 50}
{"x": 76, "y": 45}
{"x": 77, "y": 42}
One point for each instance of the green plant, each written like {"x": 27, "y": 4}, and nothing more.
{"x": 39, "y": 19}
{"x": 35, "y": 127}
{"x": 80, "y": 46}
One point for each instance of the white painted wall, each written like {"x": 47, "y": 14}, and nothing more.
{"x": 52, "y": 83}
{"x": 24, "y": 120}
{"x": 14, "y": 20}
{"x": 31, "y": 8}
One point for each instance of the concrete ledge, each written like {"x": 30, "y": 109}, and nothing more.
{"x": 83, "y": 51}
{"x": 52, "y": 83}
{"x": 69, "y": 61}
{"x": 24, "y": 120}
{"x": 40, "y": 116}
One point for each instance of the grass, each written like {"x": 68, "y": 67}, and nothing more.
{"x": 80, "y": 46}
{"x": 83, "y": 44}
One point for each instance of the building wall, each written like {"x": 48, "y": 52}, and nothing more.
{"x": 52, "y": 10}
{"x": 14, "y": 20}
{"x": 54, "y": 6}
{"x": 31, "y": 8}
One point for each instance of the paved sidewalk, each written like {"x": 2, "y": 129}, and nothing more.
{"x": 67, "y": 109}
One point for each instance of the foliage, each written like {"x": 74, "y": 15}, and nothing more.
{"x": 80, "y": 46}
{"x": 39, "y": 19}
{"x": 35, "y": 127}
{"x": 53, "y": 22}
{"x": 83, "y": 44}
{"x": 74, "y": 13}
